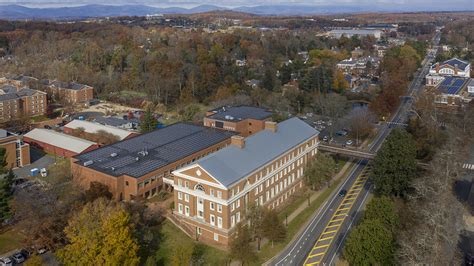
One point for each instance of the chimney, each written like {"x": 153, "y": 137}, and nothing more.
{"x": 437, "y": 67}
{"x": 238, "y": 141}
{"x": 272, "y": 126}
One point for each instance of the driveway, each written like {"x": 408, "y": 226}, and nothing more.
{"x": 38, "y": 160}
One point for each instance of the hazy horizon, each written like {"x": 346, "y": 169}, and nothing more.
{"x": 454, "y": 5}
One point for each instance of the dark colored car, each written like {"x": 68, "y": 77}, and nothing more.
{"x": 18, "y": 258}
{"x": 342, "y": 193}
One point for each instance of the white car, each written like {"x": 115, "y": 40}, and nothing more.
{"x": 349, "y": 142}
{"x": 44, "y": 172}
{"x": 6, "y": 261}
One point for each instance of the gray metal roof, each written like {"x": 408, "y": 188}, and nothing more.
{"x": 237, "y": 113}
{"x": 154, "y": 150}
{"x": 231, "y": 164}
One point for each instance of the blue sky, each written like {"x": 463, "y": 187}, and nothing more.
{"x": 447, "y": 4}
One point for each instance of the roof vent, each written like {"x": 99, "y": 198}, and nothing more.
{"x": 113, "y": 154}
{"x": 113, "y": 168}
{"x": 137, "y": 158}
{"x": 228, "y": 117}
{"x": 87, "y": 163}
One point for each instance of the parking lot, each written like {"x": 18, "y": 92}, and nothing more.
{"x": 330, "y": 132}
{"x": 39, "y": 160}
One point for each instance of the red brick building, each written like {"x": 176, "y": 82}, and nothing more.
{"x": 246, "y": 120}
{"x": 58, "y": 143}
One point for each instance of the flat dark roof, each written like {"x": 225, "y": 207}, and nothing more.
{"x": 146, "y": 153}
{"x": 237, "y": 113}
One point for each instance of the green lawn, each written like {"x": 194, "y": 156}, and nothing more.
{"x": 172, "y": 237}
{"x": 39, "y": 118}
{"x": 10, "y": 240}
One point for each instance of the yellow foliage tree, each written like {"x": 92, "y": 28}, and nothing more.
{"x": 339, "y": 83}
{"x": 101, "y": 234}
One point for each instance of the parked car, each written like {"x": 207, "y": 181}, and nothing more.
{"x": 349, "y": 142}
{"x": 18, "y": 258}
{"x": 42, "y": 250}
{"x": 44, "y": 172}
{"x": 342, "y": 193}
{"x": 6, "y": 261}
{"x": 47, "y": 127}
{"x": 325, "y": 138}
{"x": 341, "y": 133}
{"x": 26, "y": 253}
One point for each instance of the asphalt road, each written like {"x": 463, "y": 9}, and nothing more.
{"x": 297, "y": 251}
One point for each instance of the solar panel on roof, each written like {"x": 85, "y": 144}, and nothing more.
{"x": 164, "y": 146}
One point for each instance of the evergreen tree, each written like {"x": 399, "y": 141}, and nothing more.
{"x": 394, "y": 165}
{"x": 149, "y": 121}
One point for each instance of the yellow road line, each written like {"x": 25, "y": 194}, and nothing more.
{"x": 316, "y": 255}
{"x": 349, "y": 200}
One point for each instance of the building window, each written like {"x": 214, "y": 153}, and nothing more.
{"x": 199, "y": 187}
{"x": 126, "y": 183}
{"x": 219, "y": 194}
{"x": 180, "y": 195}
{"x": 238, "y": 203}
{"x": 213, "y": 220}
{"x": 199, "y": 231}
{"x": 219, "y": 208}
{"x": 180, "y": 208}
{"x": 186, "y": 184}
{"x": 216, "y": 237}
{"x": 237, "y": 217}
{"x": 186, "y": 197}
{"x": 211, "y": 206}
{"x": 211, "y": 192}
{"x": 232, "y": 221}
{"x": 219, "y": 222}
{"x": 186, "y": 210}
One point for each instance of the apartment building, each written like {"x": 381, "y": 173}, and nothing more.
{"x": 246, "y": 120}
{"x": 15, "y": 103}
{"x": 212, "y": 195}
{"x": 70, "y": 92}
{"x": 142, "y": 165}
{"x": 18, "y": 152}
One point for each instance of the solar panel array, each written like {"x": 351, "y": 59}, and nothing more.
{"x": 148, "y": 152}
{"x": 452, "y": 85}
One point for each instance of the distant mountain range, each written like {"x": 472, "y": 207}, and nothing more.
{"x": 15, "y": 12}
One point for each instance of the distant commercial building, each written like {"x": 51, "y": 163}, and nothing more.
{"x": 453, "y": 93}
{"x": 349, "y": 33}
{"x": 139, "y": 166}
{"x": 245, "y": 120}
{"x": 70, "y": 92}
{"x": 17, "y": 102}
{"x": 18, "y": 152}
{"x": 212, "y": 195}
{"x": 58, "y": 143}
{"x": 453, "y": 67}
{"x": 93, "y": 128}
